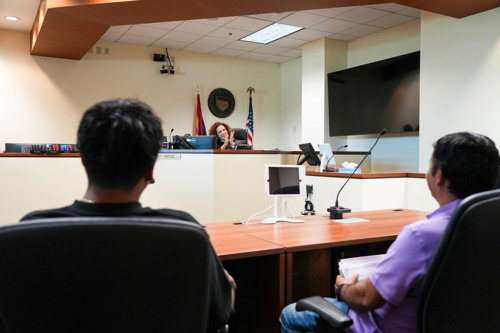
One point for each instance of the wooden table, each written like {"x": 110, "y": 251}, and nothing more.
{"x": 258, "y": 266}
{"x": 277, "y": 264}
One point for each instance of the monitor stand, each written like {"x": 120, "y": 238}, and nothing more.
{"x": 324, "y": 161}
{"x": 278, "y": 216}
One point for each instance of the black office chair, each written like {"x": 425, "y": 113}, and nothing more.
{"x": 104, "y": 275}
{"x": 460, "y": 290}
{"x": 240, "y": 134}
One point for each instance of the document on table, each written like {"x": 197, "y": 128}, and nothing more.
{"x": 351, "y": 220}
{"x": 359, "y": 265}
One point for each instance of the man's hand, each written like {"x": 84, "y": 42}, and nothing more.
{"x": 360, "y": 296}
{"x": 342, "y": 280}
{"x": 233, "y": 284}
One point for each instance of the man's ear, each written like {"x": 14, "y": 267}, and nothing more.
{"x": 149, "y": 174}
{"x": 440, "y": 179}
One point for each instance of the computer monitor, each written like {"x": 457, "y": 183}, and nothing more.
{"x": 309, "y": 155}
{"x": 194, "y": 142}
{"x": 282, "y": 181}
{"x": 201, "y": 141}
{"x": 326, "y": 155}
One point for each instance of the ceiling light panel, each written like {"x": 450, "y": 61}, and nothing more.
{"x": 271, "y": 32}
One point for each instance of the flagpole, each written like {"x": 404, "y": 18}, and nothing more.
{"x": 200, "y": 128}
{"x": 249, "y": 125}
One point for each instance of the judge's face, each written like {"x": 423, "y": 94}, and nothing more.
{"x": 221, "y": 132}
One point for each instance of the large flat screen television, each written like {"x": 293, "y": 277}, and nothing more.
{"x": 382, "y": 94}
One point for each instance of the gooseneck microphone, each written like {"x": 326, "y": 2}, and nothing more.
{"x": 344, "y": 146}
{"x": 336, "y": 212}
{"x": 170, "y": 135}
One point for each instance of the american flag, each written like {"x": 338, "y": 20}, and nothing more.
{"x": 249, "y": 125}
{"x": 200, "y": 124}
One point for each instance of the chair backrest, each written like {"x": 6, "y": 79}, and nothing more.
{"x": 240, "y": 134}
{"x": 104, "y": 275}
{"x": 460, "y": 292}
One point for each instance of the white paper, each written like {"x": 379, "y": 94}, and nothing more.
{"x": 359, "y": 265}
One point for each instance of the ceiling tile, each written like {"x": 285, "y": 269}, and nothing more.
{"x": 334, "y": 25}
{"x": 195, "y": 27}
{"x": 279, "y": 59}
{"x": 228, "y": 52}
{"x": 213, "y": 41}
{"x": 217, "y": 21}
{"x": 244, "y": 46}
{"x": 288, "y": 42}
{"x": 410, "y": 12}
{"x": 170, "y": 44}
{"x": 391, "y": 20}
{"x": 303, "y": 19}
{"x": 182, "y": 36}
{"x": 111, "y": 36}
{"x": 309, "y": 34}
{"x": 246, "y": 23}
{"x": 138, "y": 40}
{"x": 293, "y": 53}
{"x": 141, "y": 30}
{"x": 270, "y": 49}
{"x": 362, "y": 14}
{"x": 343, "y": 37}
{"x": 229, "y": 33}
{"x": 254, "y": 56}
{"x": 330, "y": 12}
{"x": 200, "y": 48}
{"x": 361, "y": 30}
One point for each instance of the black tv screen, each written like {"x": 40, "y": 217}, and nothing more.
{"x": 383, "y": 94}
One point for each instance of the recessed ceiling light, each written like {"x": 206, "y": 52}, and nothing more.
{"x": 12, "y": 18}
{"x": 271, "y": 33}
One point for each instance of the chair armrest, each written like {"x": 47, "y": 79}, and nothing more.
{"x": 329, "y": 312}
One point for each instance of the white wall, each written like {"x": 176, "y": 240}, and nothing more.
{"x": 394, "y": 152}
{"x": 460, "y": 81}
{"x": 43, "y": 98}
{"x": 291, "y": 105}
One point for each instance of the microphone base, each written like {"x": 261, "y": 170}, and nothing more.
{"x": 336, "y": 213}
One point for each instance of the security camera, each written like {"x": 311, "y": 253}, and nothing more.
{"x": 159, "y": 57}
{"x": 167, "y": 70}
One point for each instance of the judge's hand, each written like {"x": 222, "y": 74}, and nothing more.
{"x": 226, "y": 142}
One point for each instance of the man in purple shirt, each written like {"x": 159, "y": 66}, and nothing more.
{"x": 461, "y": 164}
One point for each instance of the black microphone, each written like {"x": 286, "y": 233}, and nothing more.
{"x": 170, "y": 135}
{"x": 336, "y": 212}
{"x": 344, "y": 146}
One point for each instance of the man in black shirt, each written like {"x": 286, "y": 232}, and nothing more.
{"x": 119, "y": 141}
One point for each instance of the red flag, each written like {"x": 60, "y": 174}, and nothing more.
{"x": 200, "y": 124}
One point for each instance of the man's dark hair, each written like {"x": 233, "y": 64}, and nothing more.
{"x": 470, "y": 162}
{"x": 118, "y": 141}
